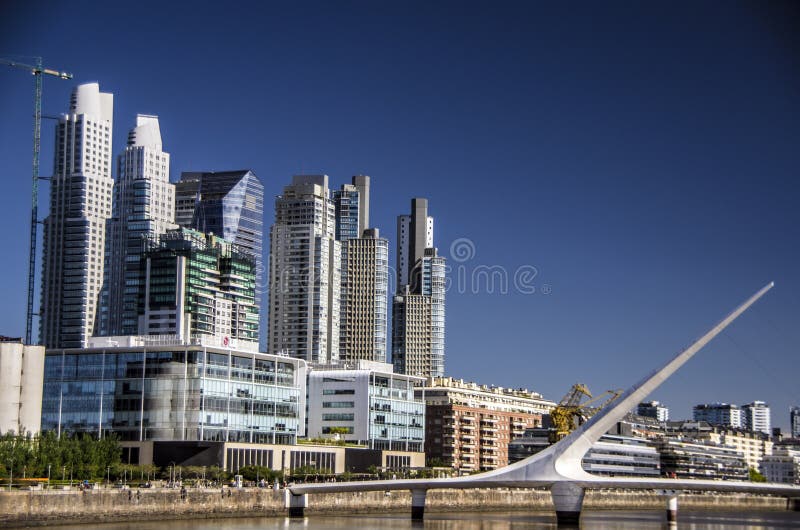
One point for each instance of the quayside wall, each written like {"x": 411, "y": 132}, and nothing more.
{"x": 47, "y": 507}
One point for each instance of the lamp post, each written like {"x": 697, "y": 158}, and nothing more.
{"x": 108, "y": 475}
{"x": 48, "y": 475}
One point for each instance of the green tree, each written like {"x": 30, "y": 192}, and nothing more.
{"x": 256, "y": 473}
{"x": 755, "y": 476}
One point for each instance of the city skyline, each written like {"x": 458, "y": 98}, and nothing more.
{"x": 649, "y": 199}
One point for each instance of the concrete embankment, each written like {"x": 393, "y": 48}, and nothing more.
{"x": 30, "y": 508}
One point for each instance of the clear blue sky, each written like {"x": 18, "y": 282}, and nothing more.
{"x": 643, "y": 156}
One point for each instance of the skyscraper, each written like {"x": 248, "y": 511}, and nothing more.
{"x": 756, "y": 417}
{"x": 144, "y": 207}
{"x": 198, "y": 285}
{"x": 304, "y": 272}
{"x": 364, "y": 294}
{"x": 350, "y": 201}
{"x": 229, "y": 204}
{"x": 75, "y": 229}
{"x": 414, "y": 235}
{"x": 418, "y": 311}
{"x": 794, "y": 419}
{"x": 364, "y": 277}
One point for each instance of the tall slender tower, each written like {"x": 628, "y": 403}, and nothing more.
{"x": 74, "y": 230}
{"x": 144, "y": 208}
{"x": 414, "y": 235}
{"x": 304, "y": 272}
{"x": 364, "y": 277}
{"x": 364, "y": 313}
{"x": 418, "y": 316}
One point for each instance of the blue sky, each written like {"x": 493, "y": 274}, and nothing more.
{"x": 642, "y": 157}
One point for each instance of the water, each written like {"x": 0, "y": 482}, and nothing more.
{"x": 591, "y": 520}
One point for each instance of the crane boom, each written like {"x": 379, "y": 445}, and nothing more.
{"x": 38, "y": 71}
{"x": 571, "y": 410}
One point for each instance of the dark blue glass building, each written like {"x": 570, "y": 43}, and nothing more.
{"x": 229, "y": 204}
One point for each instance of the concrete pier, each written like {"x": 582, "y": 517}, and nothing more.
{"x": 672, "y": 508}
{"x": 296, "y": 504}
{"x": 418, "y": 504}
{"x": 568, "y": 502}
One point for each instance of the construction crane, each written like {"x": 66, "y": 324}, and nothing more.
{"x": 572, "y": 411}
{"x": 37, "y": 70}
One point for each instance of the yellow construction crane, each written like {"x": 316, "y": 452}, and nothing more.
{"x": 572, "y": 411}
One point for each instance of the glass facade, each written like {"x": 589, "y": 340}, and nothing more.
{"x": 396, "y": 418}
{"x": 175, "y": 393}
{"x": 346, "y": 201}
{"x": 369, "y": 406}
{"x": 229, "y": 204}
{"x": 197, "y": 284}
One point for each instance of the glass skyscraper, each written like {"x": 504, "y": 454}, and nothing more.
{"x": 194, "y": 284}
{"x": 171, "y": 392}
{"x": 229, "y": 204}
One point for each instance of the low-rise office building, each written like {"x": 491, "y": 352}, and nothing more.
{"x": 783, "y": 466}
{"x": 700, "y": 460}
{"x": 367, "y": 403}
{"x": 148, "y": 390}
{"x": 725, "y": 414}
{"x": 619, "y": 452}
{"x": 653, "y": 409}
{"x": 622, "y": 456}
{"x": 753, "y": 445}
{"x": 469, "y": 426}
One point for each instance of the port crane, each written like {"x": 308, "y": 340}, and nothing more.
{"x": 573, "y": 411}
{"x": 37, "y": 70}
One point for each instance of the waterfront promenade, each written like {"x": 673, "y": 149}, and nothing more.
{"x": 46, "y": 507}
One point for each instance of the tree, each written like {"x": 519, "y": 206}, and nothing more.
{"x": 755, "y": 476}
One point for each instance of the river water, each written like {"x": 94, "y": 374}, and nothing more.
{"x": 591, "y": 520}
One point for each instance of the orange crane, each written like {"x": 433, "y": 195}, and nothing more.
{"x": 37, "y": 71}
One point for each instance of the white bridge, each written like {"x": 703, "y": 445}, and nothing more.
{"x": 559, "y": 466}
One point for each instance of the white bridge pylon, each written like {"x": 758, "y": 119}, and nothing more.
{"x": 559, "y": 466}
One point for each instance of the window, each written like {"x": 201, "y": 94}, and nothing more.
{"x": 337, "y": 404}
{"x": 338, "y": 417}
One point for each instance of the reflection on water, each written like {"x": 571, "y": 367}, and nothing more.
{"x": 600, "y": 520}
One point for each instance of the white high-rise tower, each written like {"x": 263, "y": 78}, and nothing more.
{"x": 304, "y": 272}
{"x": 74, "y": 230}
{"x": 144, "y": 208}
{"x": 757, "y": 417}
